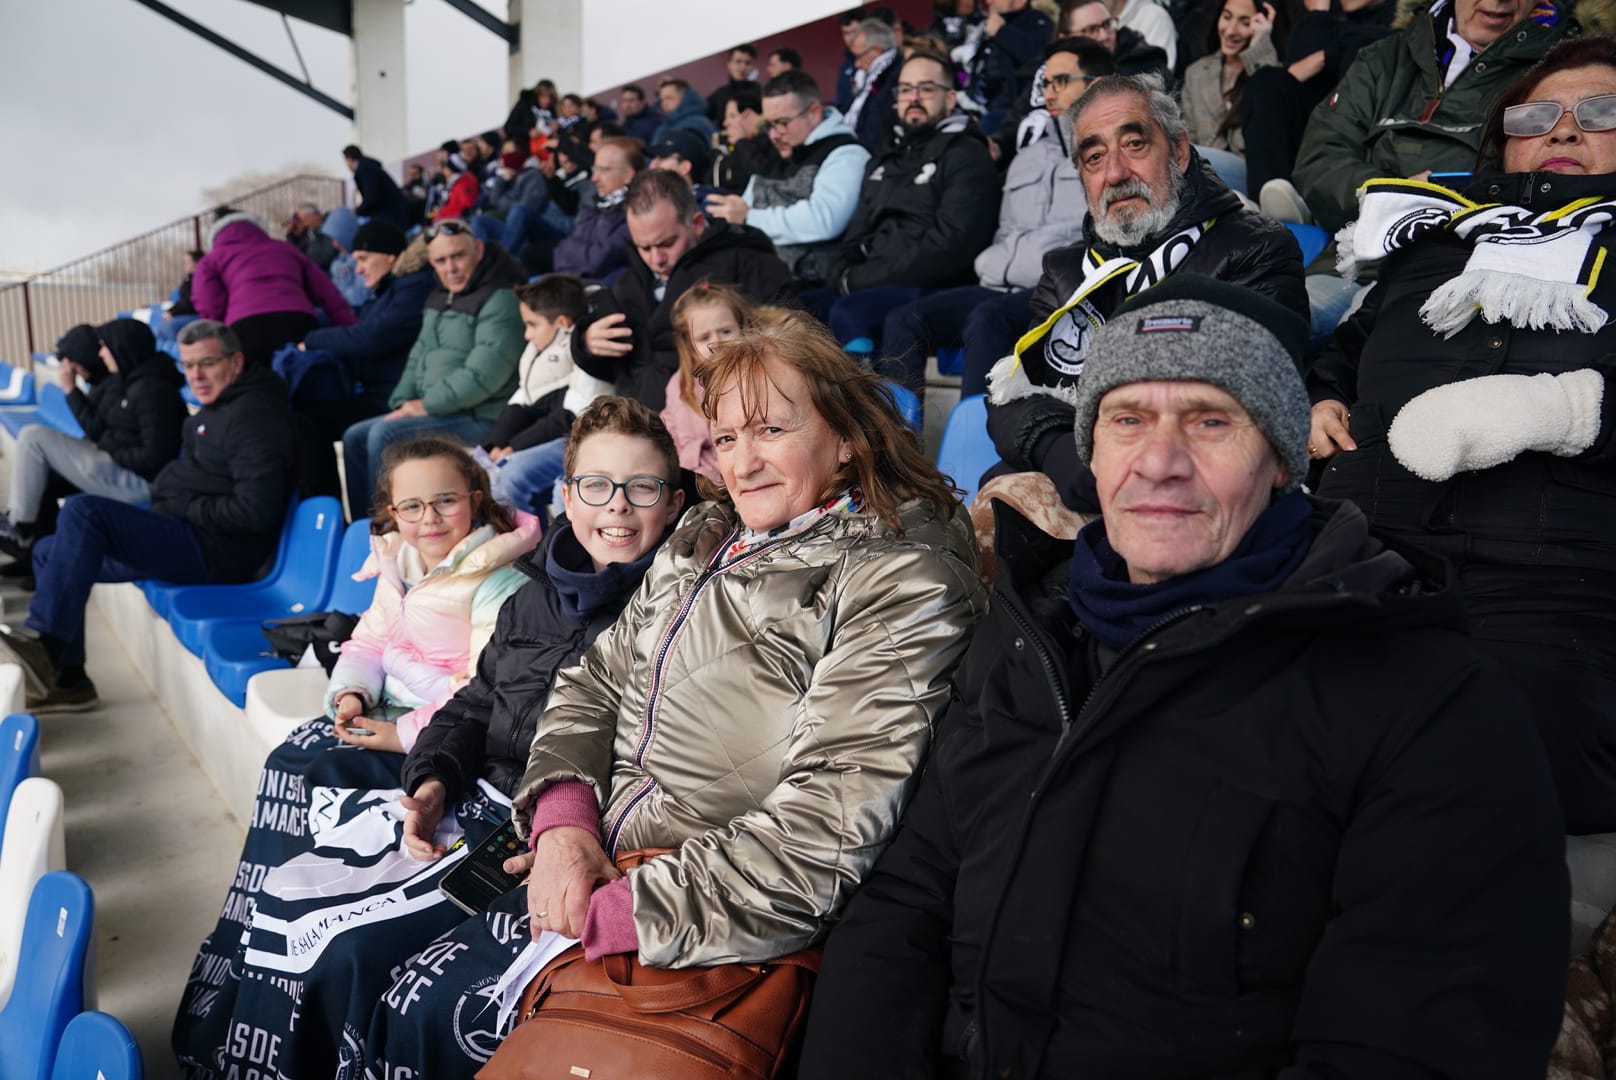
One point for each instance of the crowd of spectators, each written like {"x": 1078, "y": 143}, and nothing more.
{"x": 1300, "y": 763}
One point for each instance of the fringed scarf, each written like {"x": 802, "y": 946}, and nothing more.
{"x": 1532, "y": 269}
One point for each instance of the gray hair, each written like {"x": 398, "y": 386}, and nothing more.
{"x": 202, "y": 329}
{"x": 1166, "y": 112}
{"x": 878, "y": 35}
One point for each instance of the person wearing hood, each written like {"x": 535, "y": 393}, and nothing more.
{"x": 804, "y": 203}
{"x": 630, "y": 341}
{"x": 363, "y": 362}
{"x": 266, "y": 290}
{"x": 922, "y": 214}
{"x": 1035, "y": 217}
{"x": 1226, "y": 789}
{"x": 462, "y": 367}
{"x": 683, "y": 109}
{"x": 215, "y": 517}
{"x": 131, "y": 416}
{"x": 1154, "y": 208}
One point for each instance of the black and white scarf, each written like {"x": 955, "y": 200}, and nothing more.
{"x": 1049, "y": 357}
{"x": 1532, "y": 269}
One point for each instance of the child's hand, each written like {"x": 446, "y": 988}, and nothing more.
{"x": 370, "y": 734}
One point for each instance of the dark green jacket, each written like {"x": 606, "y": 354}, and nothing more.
{"x": 1391, "y": 116}
{"x": 464, "y": 360}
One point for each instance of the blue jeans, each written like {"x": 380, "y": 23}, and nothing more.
{"x": 100, "y": 539}
{"x": 363, "y": 443}
{"x": 526, "y": 479}
{"x": 1230, "y": 166}
{"x": 862, "y": 312}
{"x": 1329, "y": 297}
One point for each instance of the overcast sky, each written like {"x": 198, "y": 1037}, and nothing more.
{"x": 114, "y": 120}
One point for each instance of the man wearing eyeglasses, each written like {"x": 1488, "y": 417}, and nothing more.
{"x": 1132, "y": 54}
{"x": 462, "y": 368}
{"x": 805, "y": 206}
{"x": 875, "y": 60}
{"x": 1037, "y": 214}
{"x": 924, "y": 211}
{"x": 215, "y": 517}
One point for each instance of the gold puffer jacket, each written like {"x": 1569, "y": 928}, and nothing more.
{"x": 767, "y": 716}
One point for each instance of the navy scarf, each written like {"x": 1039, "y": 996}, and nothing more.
{"x": 583, "y": 590}
{"x": 1117, "y": 611}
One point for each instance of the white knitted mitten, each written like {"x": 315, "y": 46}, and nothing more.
{"x": 1479, "y": 423}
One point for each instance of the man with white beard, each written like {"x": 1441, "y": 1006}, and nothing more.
{"x": 1154, "y": 208}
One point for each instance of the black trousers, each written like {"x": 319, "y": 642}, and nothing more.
{"x": 1274, "y": 109}
{"x": 262, "y": 335}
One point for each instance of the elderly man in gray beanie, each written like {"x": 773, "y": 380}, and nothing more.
{"x": 1226, "y": 791}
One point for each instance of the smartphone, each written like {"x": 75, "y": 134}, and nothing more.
{"x": 480, "y": 878}
{"x": 1453, "y": 181}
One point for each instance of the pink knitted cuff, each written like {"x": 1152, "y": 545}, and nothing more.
{"x": 609, "y": 926}
{"x": 570, "y": 802}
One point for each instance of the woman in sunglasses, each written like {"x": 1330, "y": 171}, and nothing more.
{"x": 1465, "y": 409}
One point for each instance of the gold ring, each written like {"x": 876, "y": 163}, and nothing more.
{"x": 1313, "y": 450}
{"x": 544, "y": 914}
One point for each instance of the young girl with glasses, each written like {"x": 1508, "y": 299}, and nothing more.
{"x": 363, "y": 893}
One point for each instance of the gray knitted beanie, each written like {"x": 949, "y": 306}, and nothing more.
{"x": 1192, "y": 328}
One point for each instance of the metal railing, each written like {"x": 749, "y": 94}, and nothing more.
{"x": 137, "y": 272}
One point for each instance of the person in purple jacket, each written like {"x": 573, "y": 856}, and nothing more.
{"x": 598, "y": 243}
{"x": 264, "y": 289}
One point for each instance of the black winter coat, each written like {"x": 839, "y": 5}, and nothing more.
{"x": 998, "y": 78}
{"x": 484, "y": 731}
{"x": 379, "y": 194}
{"x": 1537, "y": 509}
{"x": 375, "y": 349}
{"x": 234, "y": 476}
{"x": 725, "y": 255}
{"x": 134, "y": 414}
{"x": 1301, "y": 835}
{"x": 928, "y": 206}
{"x": 1034, "y": 433}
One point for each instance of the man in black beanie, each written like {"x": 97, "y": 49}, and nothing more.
{"x": 1227, "y": 791}
{"x": 350, "y": 371}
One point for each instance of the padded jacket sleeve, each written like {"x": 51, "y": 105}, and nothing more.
{"x": 496, "y": 345}
{"x": 84, "y": 412}
{"x": 385, "y": 328}
{"x": 318, "y": 284}
{"x": 208, "y": 293}
{"x": 1331, "y": 165}
{"x": 161, "y": 413}
{"x": 824, "y": 214}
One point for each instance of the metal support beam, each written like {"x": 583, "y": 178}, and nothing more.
{"x": 301, "y": 86}
{"x": 511, "y": 32}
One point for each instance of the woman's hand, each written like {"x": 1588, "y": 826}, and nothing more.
{"x": 423, "y": 815}
{"x": 568, "y": 862}
{"x": 1262, "y": 23}
{"x": 1328, "y": 433}
{"x": 369, "y": 734}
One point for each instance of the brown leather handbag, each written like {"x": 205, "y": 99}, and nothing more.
{"x": 619, "y": 1018}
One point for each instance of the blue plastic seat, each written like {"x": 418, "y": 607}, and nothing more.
{"x": 52, "y": 410}
{"x": 49, "y": 990}
{"x": 96, "y": 1046}
{"x": 967, "y": 451}
{"x": 311, "y": 537}
{"x": 16, "y": 385}
{"x": 860, "y": 346}
{"x": 19, "y": 757}
{"x": 951, "y": 361}
{"x": 908, "y": 404}
{"x": 235, "y": 652}
{"x": 160, "y": 594}
{"x": 1311, "y": 238}
{"x": 348, "y": 595}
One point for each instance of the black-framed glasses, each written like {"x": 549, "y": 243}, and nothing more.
{"x": 1093, "y": 28}
{"x": 921, "y": 89}
{"x": 1540, "y": 117}
{"x": 1062, "y": 80}
{"x": 449, "y": 227}
{"x": 597, "y": 490}
{"x": 781, "y": 123}
{"x": 445, "y": 505}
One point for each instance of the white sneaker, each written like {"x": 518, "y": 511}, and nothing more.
{"x": 1281, "y": 201}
